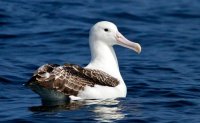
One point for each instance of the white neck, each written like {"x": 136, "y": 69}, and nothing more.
{"x": 103, "y": 58}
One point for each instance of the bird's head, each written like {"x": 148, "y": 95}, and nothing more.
{"x": 108, "y": 33}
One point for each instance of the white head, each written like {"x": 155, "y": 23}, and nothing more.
{"x": 107, "y": 33}
{"x": 103, "y": 35}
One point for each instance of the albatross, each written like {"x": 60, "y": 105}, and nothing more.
{"x": 100, "y": 79}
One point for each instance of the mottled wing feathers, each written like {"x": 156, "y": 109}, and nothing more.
{"x": 94, "y": 76}
{"x": 70, "y": 79}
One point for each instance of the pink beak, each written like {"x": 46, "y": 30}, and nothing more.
{"x": 127, "y": 43}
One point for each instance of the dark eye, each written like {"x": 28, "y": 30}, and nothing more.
{"x": 106, "y": 30}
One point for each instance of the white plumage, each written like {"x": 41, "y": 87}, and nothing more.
{"x": 103, "y": 35}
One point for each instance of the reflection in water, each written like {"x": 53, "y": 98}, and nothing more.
{"x": 56, "y": 106}
{"x": 104, "y": 110}
{"x": 108, "y": 111}
{"x": 108, "y": 114}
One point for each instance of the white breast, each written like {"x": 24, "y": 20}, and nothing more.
{"x": 103, "y": 92}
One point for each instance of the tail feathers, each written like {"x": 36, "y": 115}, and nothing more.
{"x": 42, "y": 74}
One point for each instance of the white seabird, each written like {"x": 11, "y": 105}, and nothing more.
{"x": 100, "y": 79}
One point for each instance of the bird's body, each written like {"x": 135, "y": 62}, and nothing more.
{"x": 100, "y": 79}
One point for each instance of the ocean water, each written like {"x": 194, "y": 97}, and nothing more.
{"x": 163, "y": 81}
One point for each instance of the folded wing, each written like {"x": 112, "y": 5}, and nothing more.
{"x": 69, "y": 79}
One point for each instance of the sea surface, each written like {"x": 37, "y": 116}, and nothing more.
{"x": 163, "y": 81}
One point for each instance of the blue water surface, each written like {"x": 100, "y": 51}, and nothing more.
{"x": 163, "y": 81}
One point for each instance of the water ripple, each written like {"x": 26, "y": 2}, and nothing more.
{"x": 162, "y": 82}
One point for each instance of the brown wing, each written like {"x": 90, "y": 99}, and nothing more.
{"x": 70, "y": 79}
